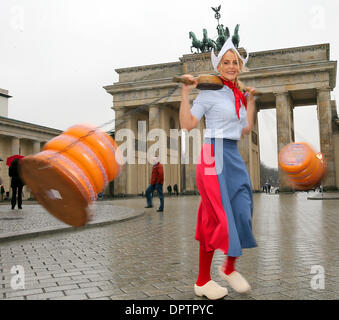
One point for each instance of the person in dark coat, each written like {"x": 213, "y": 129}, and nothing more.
{"x": 16, "y": 183}
{"x": 156, "y": 183}
{"x": 2, "y": 192}
{"x": 175, "y": 188}
{"x": 169, "y": 190}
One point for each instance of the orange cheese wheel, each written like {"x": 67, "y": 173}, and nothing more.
{"x": 307, "y": 171}
{"x": 303, "y": 167}
{"x": 295, "y": 157}
{"x": 59, "y": 186}
{"x": 313, "y": 179}
{"x": 102, "y": 144}
{"x": 83, "y": 156}
{"x": 68, "y": 166}
{"x": 71, "y": 170}
{"x": 310, "y": 178}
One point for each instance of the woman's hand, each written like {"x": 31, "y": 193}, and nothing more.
{"x": 187, "y": 120}
{"x": 250, "y": 110}
{"x": 246, "y": 130}
{"x": 188, "y": 87}
{"x": 251, "y": 93}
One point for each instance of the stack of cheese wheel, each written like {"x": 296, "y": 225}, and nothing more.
{"x": 71, "y": 170}
{"x": 304, "y": 167}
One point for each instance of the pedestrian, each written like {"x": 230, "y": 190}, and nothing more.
{"x": 2, "y": 192}
{"x": 175, "y": 189}
{"x": 157, "y": 181}
{"x": 100, "y": 195}
{"x": 16, "y": 184}
{"x": 169, "y": 190}
{"x": 2, "y": 189}
{"x": 224, "y": 220}
{"x": 266, "y": 187}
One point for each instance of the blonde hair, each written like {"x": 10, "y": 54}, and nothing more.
{"x": 242, "y": 68}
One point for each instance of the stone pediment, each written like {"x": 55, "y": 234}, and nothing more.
{"x": 299, "y": 69}
{"x": 21, "y": 129}
{"x": 200, "y": 62}
{"x": 289, "y": 56}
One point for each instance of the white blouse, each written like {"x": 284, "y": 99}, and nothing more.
{"x": 218, "y": 107}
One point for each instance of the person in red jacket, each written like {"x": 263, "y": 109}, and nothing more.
{"x": 156, "y": 183}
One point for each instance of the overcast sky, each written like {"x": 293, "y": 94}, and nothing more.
{"x": 56, "y": 55}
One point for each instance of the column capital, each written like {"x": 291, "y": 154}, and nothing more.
{"x": 323, "y": 89}
{"x": 154, "y": 106}
{"x": 281, "y": 93}
{"x": 285, "y": 98}
{"x": 15, "y": 137}
{"x": 119, "y": 109}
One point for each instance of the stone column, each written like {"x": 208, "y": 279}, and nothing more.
{"x": 36, "y": 147}
{"x": 156, "y": 120}
{"x": 15, "y": 148}
{"x": 255, "y": 154}
{"x": 153, "y": 123}
{"x": 244, "y": 149}
{"x": 326, "y": 136}
{"x": 249, "y": 151}
{"x": 120, "y": 182}
{"x": 190, "y": 169}
{"x": 195, "y": 142}
{"x": 335, "y": 130}
{"x": 154, "y": 117}
{"x": 285, "y": 130}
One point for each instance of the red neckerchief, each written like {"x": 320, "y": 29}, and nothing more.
{"x": 238, "y": 95}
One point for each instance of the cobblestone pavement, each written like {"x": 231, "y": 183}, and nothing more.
{"x": 154, "y": 256}
{"x": 34, "y": 219}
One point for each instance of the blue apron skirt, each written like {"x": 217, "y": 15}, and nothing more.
{"x": 224, "y": 219}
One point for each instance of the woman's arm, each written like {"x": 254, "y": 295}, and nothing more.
{"x": 250, "y": 111}
{"x": 187, "y": 120}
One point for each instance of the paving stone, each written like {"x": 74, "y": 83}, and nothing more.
{"x": 45, "y": 296}
{"x": 158, "y": 292}
{"x": 71, "y": 297}
{"x": 61, "y": 288}
{"x": 96, "y": 284}
{"x": 81, "y": 291}
{"x": 18, "y": 293}
{"x": 136, "y": 296}
{"x": 104, "y": 293}
{"x": 159, "y": 297}
{"x": 16, "y": 298}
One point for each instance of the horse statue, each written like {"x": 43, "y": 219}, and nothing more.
{"x": 236, "y": 37}
{"x": 196, "y": 43}
{"x": 227, "y": 33}
{"x": 223, "y": 35}
{"x": 207, "y": 42}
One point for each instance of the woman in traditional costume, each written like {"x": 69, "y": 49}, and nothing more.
{"x": 224, "y": 220}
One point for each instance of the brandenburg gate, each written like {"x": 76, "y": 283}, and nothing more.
{"x": 287, "y": 78}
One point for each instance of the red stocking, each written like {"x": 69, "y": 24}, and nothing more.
{"x": 205, "y": 261}
{"x": 229, "y": 265}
